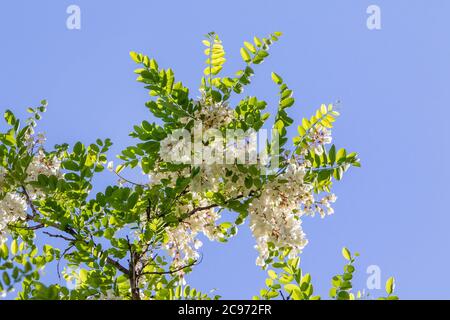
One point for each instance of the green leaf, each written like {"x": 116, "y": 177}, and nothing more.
{"x": 294, "y": 263}
{"x": 332, "y": 155}
{"x": 257, "y": 41}
{"x": 285, "y": 278}
{"x": 346, "y": 254}
{"x": 245, "y": 55}
{"x": 4, "y": 250}
{"x": 119, "y": 168}
{"x": 390, "y": 285}
{"x": 272, "y": 274}
{"x": 286, "y": 103}
{"x": 136, "y": 57}
{"x": 341, "y": 155}
{"x": 272, "y": 294}
{"x": 276, "y": 78}
{"x": 6, "y": 278}
{"x": 83, "y": 275}
{"x": 349, "y": 269}
{"x": 343, "y": 295}
{"x": 291, "y": 287}
{"x": 248, "y": 182}
{"x": 9, "y": 117}
{"x": 14, "y": 247}
{"x": 306, "y": 278}
{"x": 250, "y": 47}
{"x": 78, "y": 148}
{"x": 178, "y": 292}
{"x": 70, "y": 165}
{"x": 333, "y": 292}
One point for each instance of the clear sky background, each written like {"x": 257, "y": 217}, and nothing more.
{"x": 393, "y": 85}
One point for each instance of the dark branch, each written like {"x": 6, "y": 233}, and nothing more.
{"x": 198, "y": 209}
{"x": 59, "y": 236}
{"x": 117, "y": 265}
{"x": 76, "y": 237}
{"x": 170, "y": 271}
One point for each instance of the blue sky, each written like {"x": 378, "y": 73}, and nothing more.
{"x": 392, "y": 84}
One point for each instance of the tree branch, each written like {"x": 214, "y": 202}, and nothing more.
{"x": 76, "y": 237}
{"x": 59, "y": 236}
{"x": 170, "y": 271}
{"x": 134, "y": 258}
{"x": 117, "y": 265}
{"x": 198, "y": 209}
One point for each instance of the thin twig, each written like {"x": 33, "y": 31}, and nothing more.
{"x": 67, "y": 229}
{"x": 129, "y": 181}
{"x": 59, "y": 260}
{"x": 59, "y": 236}
{"x": 171, "y": 271}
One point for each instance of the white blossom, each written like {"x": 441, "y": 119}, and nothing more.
{"x": 320, "y": 136}
{"x": 110, "y": 166}
{"x": 174, "y": 149}
{"x": 12, "y": 208}
{"x": 182, "y": 242}
{"x": 42, "y": 164}
{"x": 275, "y": 216}
{"x": 276, "y": 212}
{"x": 214, "y": 115}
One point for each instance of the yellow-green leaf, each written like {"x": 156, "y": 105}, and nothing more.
{"x": 250, "y": 47}
{"x": 346, "y": 254}
{"x": 390, "y": 285}
{"x": 257, "y": 41}
{"x": 286, "y": 103}
{"x": 276, "y": 78}
{"x": 119, "y": 168}
{"x": 83, "y": 275}
{"x": 14, "y": 247}
{"x": 341, "y": 155}
{"x": 136, "y": 57}
{"x": 245, "y": 55}
{"x": 272, "y": 274}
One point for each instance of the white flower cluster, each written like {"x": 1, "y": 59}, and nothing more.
{"x": 212, "y": 115}
{"x": 320, "y": 136}
{"x": 41, "y": 164}
{"x": 158, "y": 176}
{"x": 183, "y": 243}
{"x": 177, "y": 147}
{"x": 12, "y": 208}
{"x": 323, "y": 207}
{"x": 32, "y": 139}
{"x": 275, "y": 216}
{"x": 174, "y": 149}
